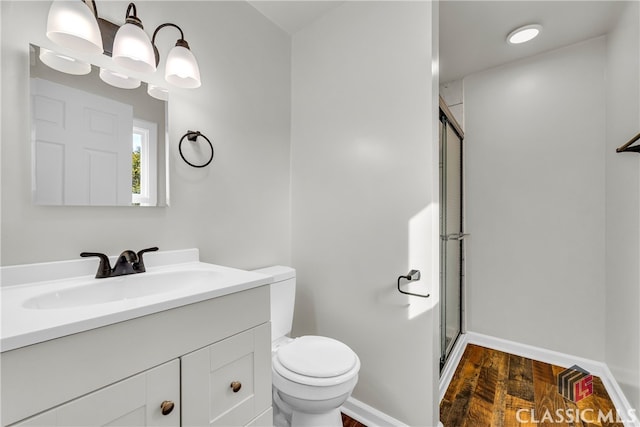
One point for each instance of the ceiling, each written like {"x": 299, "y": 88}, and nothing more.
{"x": 292, "y": 15}
{"x": 473, "y": 33}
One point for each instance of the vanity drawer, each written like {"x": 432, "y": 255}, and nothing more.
{"x": 134, "y": 402}
{"x": 228, "y": 383}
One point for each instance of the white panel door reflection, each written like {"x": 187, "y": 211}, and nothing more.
{"x": 82, "y": 145}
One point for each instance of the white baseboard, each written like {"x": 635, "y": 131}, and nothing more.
{"x": 452, "y": 363}
{"x": 617, "y": 397}
{"x": 536, "y": 353}
{"x": 599, "y": 369}
{"x": 368, "y": 415}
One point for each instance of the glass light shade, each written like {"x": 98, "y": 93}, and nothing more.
{"x": 64, "y": 63}
{"x": 524, "y": 34}
{"x": 158, "y": 92}
{"x": 118, "y": 80}
{"x": 182, "y": 69}
{"x": 71, "y": 24}
{"x": 132, "y": 49}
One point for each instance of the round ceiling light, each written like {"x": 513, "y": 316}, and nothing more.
{"x": 524, "y": 34}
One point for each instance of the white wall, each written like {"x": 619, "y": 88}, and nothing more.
{"x": 236, "y": 210}
{"x": 623, "y": 204}
{"x": 364, "y": 191}
{"x": 534, "y": 132}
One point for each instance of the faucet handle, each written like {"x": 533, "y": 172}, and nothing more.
{"x": 104, "y": 269}
{"x": 140, "y": 264}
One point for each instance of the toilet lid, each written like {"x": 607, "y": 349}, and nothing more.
{"x": 318, "y": 357}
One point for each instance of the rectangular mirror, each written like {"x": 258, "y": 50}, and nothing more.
{"x": 92, "y": 143}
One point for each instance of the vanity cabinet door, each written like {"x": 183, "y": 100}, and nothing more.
{"x": 133, "y": 402}
{"x": 228, "y": 383}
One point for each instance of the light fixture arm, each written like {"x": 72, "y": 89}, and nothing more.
{"x": 181, "y": 41}
{"x": 132, "y": 18}
{"x": 91, "y": 4}
{"x": 167, "y": 24}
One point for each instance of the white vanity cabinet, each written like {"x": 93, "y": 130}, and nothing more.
{"x": 228, "y": 383}
{"x": 120, "y": 374}
{"x": 134, "y": 402}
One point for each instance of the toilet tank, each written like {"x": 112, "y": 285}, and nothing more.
{"x": 283, "y": 295}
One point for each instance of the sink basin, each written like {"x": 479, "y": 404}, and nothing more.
{"x": 40, "y": 302}
{"x": 121, "y": 288}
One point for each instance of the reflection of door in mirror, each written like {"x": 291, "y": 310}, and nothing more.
{"x": 74, "y": 162}
{"x": 82, "y": 146}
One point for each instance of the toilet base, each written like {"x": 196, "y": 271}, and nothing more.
{"x": 285, "y": 416}
{"x": 332, "y": 418}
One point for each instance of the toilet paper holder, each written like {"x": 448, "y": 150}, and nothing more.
{"x": 412, "y": 276}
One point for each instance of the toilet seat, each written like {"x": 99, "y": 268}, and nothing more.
{"x": 316, "y": 361}
{"x": 315, "y": 356}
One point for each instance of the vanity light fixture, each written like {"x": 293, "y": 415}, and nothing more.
{"x": 131, "y": 47}
{"x": 64, "y": 63}
{"x": 524, "y": 34}
{"x": 118, "y": 79}
{"x": 75, "y": 24}
{"x": 181, "y": 68}
{"x": 157, "y": 92}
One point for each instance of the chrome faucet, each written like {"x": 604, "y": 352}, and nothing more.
{"x": 128, "y": 263}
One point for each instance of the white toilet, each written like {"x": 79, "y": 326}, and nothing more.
{"x": 312, "y": 375}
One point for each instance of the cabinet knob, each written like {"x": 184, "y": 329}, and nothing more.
{"x": 236, "y": 386}
{"x": 166, "y": 407}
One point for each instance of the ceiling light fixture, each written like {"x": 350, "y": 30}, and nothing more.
{"x": 524, "y": 34}
{"x": 128, "y": 44}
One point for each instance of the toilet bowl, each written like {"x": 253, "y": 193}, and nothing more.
{"x": 312, "y": 375}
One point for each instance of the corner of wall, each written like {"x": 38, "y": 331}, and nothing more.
{"x": 622, "y": 318}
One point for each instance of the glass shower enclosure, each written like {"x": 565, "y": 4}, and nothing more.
{"x": 451, "y": 232}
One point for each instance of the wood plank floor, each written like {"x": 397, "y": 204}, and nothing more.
{"x": 350, "y": 422}
{"x": 496, "y": 389}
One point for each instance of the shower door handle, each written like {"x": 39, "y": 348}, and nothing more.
{"x": 454, "y": 236}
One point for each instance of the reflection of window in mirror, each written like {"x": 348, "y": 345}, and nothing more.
{"x": 144, "y": 154}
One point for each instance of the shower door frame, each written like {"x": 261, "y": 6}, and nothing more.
{"x": 448, "y": 120}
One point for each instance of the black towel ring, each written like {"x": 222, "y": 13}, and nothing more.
{"x": 193, "y": 136}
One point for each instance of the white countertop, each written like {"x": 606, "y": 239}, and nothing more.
{"x": 24, "y": 324}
